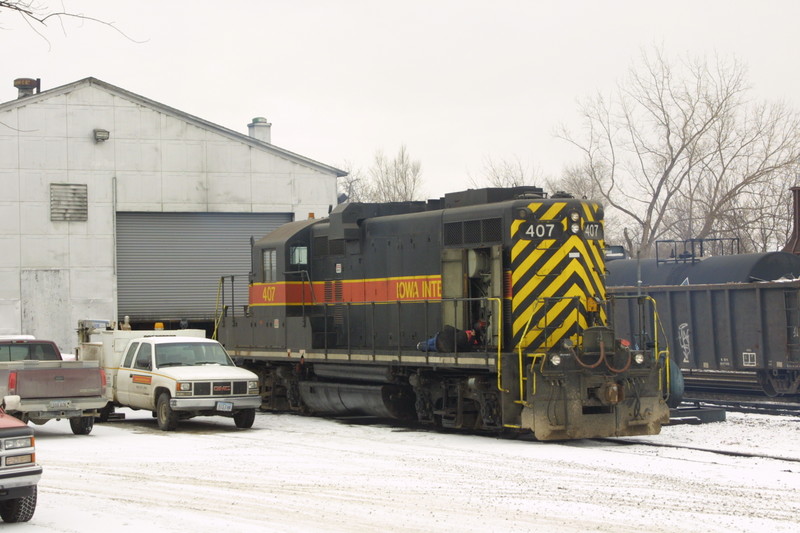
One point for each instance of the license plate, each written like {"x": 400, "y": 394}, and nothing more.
{"x": 225, "y": 406}
{"x": 60, "y": 404}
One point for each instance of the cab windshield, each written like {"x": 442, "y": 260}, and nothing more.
{"x": 191, "y": 354}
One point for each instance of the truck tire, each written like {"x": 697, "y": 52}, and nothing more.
{"x": 167, "y": 418}
{"x": 81, "y": 425}
{"x": 244, "y": 419}
{"x": 19, "y": 509}
{"x": 105, "y": 413}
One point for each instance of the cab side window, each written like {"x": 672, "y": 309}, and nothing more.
{"x": 143, "y": 358}
{"x": 270, "y": 259}
{"x": 129, "y": 356}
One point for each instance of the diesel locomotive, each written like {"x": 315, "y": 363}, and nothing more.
{"x": 483, "y": 310}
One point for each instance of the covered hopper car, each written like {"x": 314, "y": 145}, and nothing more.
{"x": 733, "y": 321}
{"x": 484, "y": 310}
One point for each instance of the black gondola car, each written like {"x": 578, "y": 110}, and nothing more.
{"x": 484, "y": 310}
{"x": 733, "y": 320}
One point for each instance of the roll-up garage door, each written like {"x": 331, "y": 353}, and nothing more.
{"x": 169, "y": 264}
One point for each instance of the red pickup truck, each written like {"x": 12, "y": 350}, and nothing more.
{"x": 37, "y": 385}
{"x": 19, "y": 473}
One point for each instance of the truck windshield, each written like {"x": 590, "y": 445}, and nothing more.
{"x": 191, "y": 354}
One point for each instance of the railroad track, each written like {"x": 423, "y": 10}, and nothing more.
{"x": 744, "y": 403}
{"x": 627, "y": 441}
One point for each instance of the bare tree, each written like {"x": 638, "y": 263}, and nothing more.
{"x": 679, "y": 152}
{"x": 576, "y": 181}
{"x": 38, "y": 13}
{"x": 504, "y": 173}
{"x": 354, "y": 185}
{"x": 387, "y": 180}
{"x": 393, "y": 180}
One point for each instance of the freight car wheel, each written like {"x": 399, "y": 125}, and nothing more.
{"x": 81, "y": 425}
{"x": 244, "y": 419}
{"x": 19, "y": 509}
{"x": 167, "y": 418}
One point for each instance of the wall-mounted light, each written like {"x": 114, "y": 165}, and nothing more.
{"x": 101, "y": 135}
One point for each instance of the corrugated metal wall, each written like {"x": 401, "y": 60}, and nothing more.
{"x": 169, "y": 264}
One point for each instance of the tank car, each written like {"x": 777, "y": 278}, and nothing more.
{"x": 483, "y": 310}
{"x": 733, "y": 320}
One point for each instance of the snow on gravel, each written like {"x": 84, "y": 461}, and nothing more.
{"x": 297, "y": 474}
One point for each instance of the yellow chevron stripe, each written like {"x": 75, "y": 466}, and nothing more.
{"x": 559, "y": 331}
{"x": 551, "y": 289}
{"x": 594, "y": 274}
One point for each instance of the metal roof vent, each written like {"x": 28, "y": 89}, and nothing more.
{"x": 260, "y": 129}
{"x": 27, "y": 85}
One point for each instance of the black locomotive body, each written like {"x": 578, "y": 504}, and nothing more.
{"x": 484, "y": 310}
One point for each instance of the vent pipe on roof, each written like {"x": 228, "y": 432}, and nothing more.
{"x": 259, "y": 129}
{"x": 27, "y": 85}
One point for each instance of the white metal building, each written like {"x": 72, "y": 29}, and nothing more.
{"x": 112, "y": 204}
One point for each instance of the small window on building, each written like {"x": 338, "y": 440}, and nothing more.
{"x": 69, "y": 202}
{"x": 270, "y": 265}
{"x": 299, "y": 255}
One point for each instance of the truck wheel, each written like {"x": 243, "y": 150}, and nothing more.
{"x": 167, "y": 418}
{"x": 105, "y": 413}
{"x": 19, "y": 509}
{"x": 81, "y": 425}
{"x": 244, "y": 419}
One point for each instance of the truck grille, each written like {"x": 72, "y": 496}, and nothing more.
{"x": 220, "y": 388}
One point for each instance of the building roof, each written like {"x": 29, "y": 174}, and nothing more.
{"x": 197, "y": 121}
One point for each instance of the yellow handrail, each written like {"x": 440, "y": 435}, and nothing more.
{"x": 217, "y": 311}
{"x": 657, "y": 325}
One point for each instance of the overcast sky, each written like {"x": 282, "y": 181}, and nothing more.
{"x": 457, "y": 82}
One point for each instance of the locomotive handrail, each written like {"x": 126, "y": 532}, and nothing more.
{"x": 371, "y": 304}
{"x": 520, "y": 345}
{"x": 657, "y": 326}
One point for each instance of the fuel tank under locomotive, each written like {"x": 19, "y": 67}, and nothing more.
{"x": 347, "y": 390}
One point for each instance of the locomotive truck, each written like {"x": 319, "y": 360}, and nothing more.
{"x": 484, "y": 310}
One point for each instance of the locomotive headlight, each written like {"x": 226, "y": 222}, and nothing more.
{"x": 638, "y": 358}
{"x": 574, "y": 216}
{"x": 575, "y": 227}
{"x": 555, "y": 359}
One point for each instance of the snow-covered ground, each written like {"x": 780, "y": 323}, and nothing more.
{"x": 291, "y": 473}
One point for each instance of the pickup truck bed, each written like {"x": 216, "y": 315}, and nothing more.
{"x": 36, "y": 385}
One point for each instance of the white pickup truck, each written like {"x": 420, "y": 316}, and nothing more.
{"x": 175, "y": 374}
